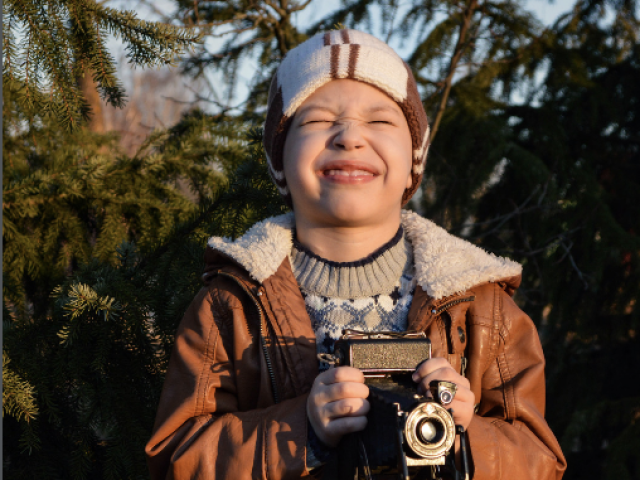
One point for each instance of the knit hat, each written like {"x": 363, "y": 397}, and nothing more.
{"x": 341, "y": 54}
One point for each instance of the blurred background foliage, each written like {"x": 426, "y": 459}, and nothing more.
{"x": 106, "y": 212}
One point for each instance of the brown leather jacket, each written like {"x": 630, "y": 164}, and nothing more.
{"x": 234, "y": 406}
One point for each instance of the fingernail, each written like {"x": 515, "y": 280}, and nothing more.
{"x": 415, "y": 377}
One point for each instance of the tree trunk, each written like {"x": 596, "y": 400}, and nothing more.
{"x": 89, "y": 90}
{"x": 453, "y": 64}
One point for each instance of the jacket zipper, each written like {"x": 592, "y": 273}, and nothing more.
{"x": 263, "y": 340}
{"x": 451, "y": 303}
{"x": 443, "y": 308}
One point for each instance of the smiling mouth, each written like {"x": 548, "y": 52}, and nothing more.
{"x": 347, "y": 173}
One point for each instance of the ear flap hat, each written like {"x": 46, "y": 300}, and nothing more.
{"x": 333, "y": 55}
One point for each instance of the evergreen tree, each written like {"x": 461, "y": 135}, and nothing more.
{"x": 581, "y": 150}
{"x": 85, "y": 231}
{"x": 97, "y": 357}
{"x": 553, "y": 182}
{"x": 83, "y": 351}
{"x": 259, "y": 30}
{"x": 48, "y": 46}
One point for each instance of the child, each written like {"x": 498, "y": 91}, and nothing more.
{"x": 346, "y": 138}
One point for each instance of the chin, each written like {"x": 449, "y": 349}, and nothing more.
{"x": 352, "y": 213}
{"x": 349, "y": 210}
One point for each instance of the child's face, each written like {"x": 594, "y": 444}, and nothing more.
{"x": 347, "y": 156}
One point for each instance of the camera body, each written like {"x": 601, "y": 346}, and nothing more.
{"x": 404, "y": 429}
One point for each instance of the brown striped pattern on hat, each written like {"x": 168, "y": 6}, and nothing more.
{"x": 333, "y": 55}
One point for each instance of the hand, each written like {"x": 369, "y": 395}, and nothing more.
{"x": 337, "y": 404}
{"x": 463, "y": 403}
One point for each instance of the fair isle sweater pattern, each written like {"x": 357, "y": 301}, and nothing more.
{"x": 371, "y": 294}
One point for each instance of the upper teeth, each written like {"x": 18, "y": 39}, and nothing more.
{"x": 351, "y": 173}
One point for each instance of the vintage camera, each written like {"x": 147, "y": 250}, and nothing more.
{"x": 404, "y": 429}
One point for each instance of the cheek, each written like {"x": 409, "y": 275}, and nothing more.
{"x": 402, "y": 151}
{"x": 299, "y": 151}
{"x": 408, "y": 158}
{"x": 288, "y": 152}
{"x": 291, "y": 158}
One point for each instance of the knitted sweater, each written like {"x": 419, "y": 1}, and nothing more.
{"x": 371, "y": 294}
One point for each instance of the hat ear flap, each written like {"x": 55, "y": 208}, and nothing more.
{"x": 276, "y": 127}
{"x": 419, "y": 127}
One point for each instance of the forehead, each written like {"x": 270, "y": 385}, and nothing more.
{"x": 342, "y": 94}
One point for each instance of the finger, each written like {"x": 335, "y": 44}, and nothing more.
{"x": 340, "y": 375}
{"x": 343, "y": 425}
{"x": 428, "y": 366}
{"x": 348, "y": 407}
{"x": 460, "y": 408}
{"x": 447, "y": 374}
{"x": 466, "y": 395}
{"x": 463, "y": 393}
{"x": 424, "y": 387}
{"x": 442, "y": 374}
{"x": 338, "y": 391}
{"x": 462, "y": 413}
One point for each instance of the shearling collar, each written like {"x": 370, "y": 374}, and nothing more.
{"x": 444, "y": 264}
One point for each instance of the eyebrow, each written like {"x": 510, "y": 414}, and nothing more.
{"x": 304, "y": 110}
{"x": 373, "y": 109}
{"x": 384, "y": 108}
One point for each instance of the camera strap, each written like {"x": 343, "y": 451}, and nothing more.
{"x": 464, "y": 475}
{"x": 364, "y": 459}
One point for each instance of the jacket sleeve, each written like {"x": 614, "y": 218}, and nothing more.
{"x": 509, "y": 437}
{"x": 204, "y": 428}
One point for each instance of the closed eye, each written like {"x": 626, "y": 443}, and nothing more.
{"x": 307, "y": 122}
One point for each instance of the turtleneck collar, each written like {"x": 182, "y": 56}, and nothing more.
{"x": 374, "y": 274}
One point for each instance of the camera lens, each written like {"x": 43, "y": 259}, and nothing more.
{"x": 430, "y": 431}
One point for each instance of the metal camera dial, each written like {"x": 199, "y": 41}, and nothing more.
{"x": 446, "y": 398}
{"x": 443, "y": 392}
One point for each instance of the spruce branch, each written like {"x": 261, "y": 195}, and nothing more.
{"x": 18, "y": 395}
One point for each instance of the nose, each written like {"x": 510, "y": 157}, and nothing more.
{"x": 349, "y": 137}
